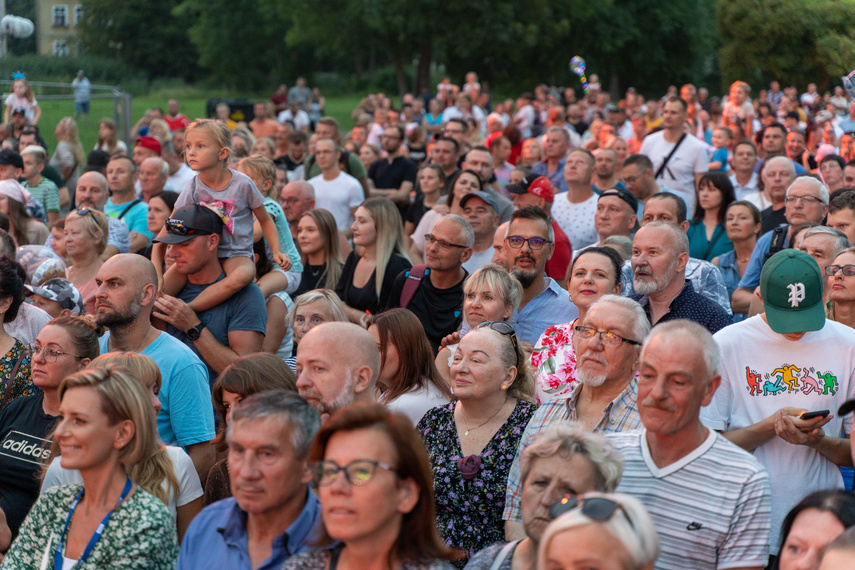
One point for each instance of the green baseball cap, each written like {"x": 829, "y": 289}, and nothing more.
{"x": 791, "y": 287}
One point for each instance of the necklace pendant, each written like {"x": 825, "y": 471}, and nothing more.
{"x": 466, "y": 432}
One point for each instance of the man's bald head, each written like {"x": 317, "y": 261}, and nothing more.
{"x": 135, "y": 268}
{"x": 337, "y": 364}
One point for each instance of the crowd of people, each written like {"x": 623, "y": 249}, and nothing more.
{"x": 550, "y": 333}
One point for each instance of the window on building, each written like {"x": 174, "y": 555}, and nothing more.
{"x": 60, "y": 48}
{"x": 60, "y": 16}
{"x": 78, "y": 14}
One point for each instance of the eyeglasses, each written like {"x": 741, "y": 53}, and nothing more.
{"x": 49, "y": 354}
{"x": 358, "y": 472}
{"x": 848, "y": 270}
{"x": 535, "y": 243}
{"x": 177, "y": 227}
{"x": 598, "y": 509}
{"x": 443, "y": 245}
{"x": 809, "y": 200}
{"x": 608, "y": 338}
{"x": 83, "y": 211}
{"x": 507, "y": 330}
{"x": 292, "y": 201}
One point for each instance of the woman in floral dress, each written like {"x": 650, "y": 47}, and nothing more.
{"x": 595, "y": 272}
{"x": 472, "y": 441}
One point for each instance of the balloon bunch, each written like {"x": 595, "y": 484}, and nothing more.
{"x": 577, "y": 66}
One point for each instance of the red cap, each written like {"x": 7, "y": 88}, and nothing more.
{"x": 542, "y": 188}
{"x": 150, "y": 143}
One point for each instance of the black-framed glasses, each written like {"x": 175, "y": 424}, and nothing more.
{"x": 505, "y": 329}
{"x": 608, "y": 338}
{"x": 535, "y": 243}
{"x": 358, "y": 472}
{"x": 178, "y": 227}
{"x": 443, "y": 245}
{"x": 49, "y": 354}
{"x": 848, "y": 270}
{"x": 599, "y": 509}
{"x": 809, "y": 200}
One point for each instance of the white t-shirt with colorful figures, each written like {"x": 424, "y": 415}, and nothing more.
{"x": 763, "y": 372}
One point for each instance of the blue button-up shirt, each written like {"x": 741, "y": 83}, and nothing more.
{"x": 217, "y": 538}
{"x": 551, "y": 307}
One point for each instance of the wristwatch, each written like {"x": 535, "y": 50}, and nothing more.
{"x": 193, "y": 333}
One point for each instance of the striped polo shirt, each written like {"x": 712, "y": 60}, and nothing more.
{"x": 711, "y": 508}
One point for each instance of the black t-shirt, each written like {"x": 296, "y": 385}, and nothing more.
{"x": 416, "y": 210}
{"x": 310, "y": 279}
{"x": 365, "y": 298}
{"x": 386, "y": 175}
{"x": 771, "y": 219}
{"x": 24, "y": 448}
{"x": 286, "y": 161}
{"x": 439, "y": 310}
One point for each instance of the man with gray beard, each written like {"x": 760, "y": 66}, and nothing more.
{"x": 660, "y": 252}
{"x": 608, "y": 344}
{"x": 337, "y": 364}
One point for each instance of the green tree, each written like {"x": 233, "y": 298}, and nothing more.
{"x": 143, "y": 34}
{"x": 793, "y": 41}
{"x": 241, "y": 43}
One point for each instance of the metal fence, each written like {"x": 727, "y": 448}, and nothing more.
{"x": 121, "y": 100}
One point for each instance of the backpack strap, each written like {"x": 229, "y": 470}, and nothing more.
{"x": 779, "y": 236}
{"x": 412, "y": 284}
{"x": 131, "y": 205}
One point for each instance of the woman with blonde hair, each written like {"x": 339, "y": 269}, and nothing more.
{"x": 264, "y": 147}
{"x": 68, "y": 155}
{"x": 379, "y": 256}
{"x": 246, "y": 376}
{"x": 472, "y": 441}
{"x": 160, "y": 130}
{"x": 108, "y": 140}
{"x": 311, "y": 309}
{"x": 105, "y": 428}
{"x": 317, "y": 237}
{"x": 489, "y": 294}
{"x": 166, "y": 472}
{"x": 86, "y": 232}
{"x": 599, "y": 530}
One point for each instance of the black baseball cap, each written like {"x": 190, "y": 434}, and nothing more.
{"x": 8, "y": 156}
{"x": 624, "y": 195}
{"x": 189, "y": 222}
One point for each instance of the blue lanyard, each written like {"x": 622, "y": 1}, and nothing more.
{"x": 57, "y": 559}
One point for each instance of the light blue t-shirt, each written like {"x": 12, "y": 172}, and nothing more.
{"x": 186, "y": 415}
{"x": 286, "y": 242}
{"x": 136, "y": 219}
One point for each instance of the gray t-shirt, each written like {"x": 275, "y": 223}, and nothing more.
{"x": 234, "y": 204}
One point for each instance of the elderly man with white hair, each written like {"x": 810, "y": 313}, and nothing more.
{"x": 806, "y": 200}
{"x": 607, "y": 346}
{"x": 673, "y": 464}
{"x": 153, "y": 174}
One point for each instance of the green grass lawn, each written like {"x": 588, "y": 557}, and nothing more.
{"x": 193, "y": 106}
